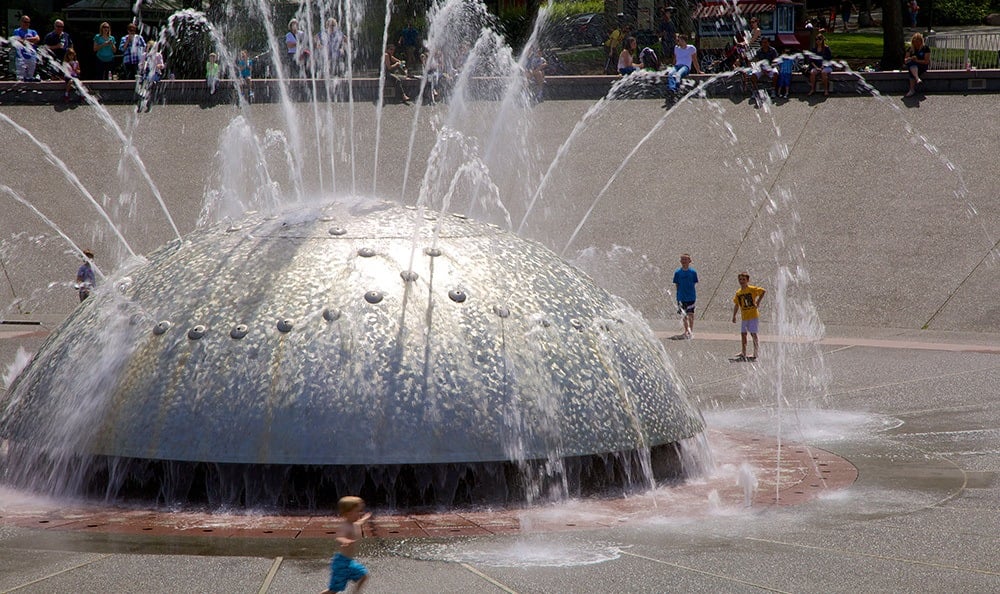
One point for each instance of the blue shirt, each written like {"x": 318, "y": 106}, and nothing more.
{"x": 132, "y": 52}
{"x": 27, "y": 49}
{"x": 685, "y": 281}
{"x": 85, "y": 276}
{"x": 786, "y": 64}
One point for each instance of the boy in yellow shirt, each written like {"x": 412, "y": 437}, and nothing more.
{"x": 746, "y": 301}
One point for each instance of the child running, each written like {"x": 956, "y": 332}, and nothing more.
{"x": 344, "y": 567}
{"x": 746, "y": 301}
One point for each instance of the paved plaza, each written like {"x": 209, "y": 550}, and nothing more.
{"x": 885, "y": 217}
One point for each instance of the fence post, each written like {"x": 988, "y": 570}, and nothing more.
{"x": 968, "y": 64}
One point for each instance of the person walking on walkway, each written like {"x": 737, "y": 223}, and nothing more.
{"x": 85, "y": 276}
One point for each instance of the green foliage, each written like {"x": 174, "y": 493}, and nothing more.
{"x": 515, "y": 26}
{"x": 959, "y": 12}
{"x": 584, "y": 61}
{"x": 565, "y": 8}
{"x": 188, "y": 43}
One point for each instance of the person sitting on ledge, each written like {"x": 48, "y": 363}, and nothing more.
{"x": 918, "y": 58}
{"x": 395, "y": 72}
{"x": 821, "y": 64}
{"x": 686, "y": 59}
{"x": 626, "y": 65}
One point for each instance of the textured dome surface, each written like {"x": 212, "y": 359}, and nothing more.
{"x": 368, "y": 334}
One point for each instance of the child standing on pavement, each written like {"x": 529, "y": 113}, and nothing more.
{"x": 685, "y": 278}
{"x": 344, "y": 567}
{"x": 786, "y": 64}
{"x": 746, "y": 301}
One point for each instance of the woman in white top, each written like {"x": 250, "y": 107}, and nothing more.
{"x": 753, "y": 39}
{"x": 626, "y": 65}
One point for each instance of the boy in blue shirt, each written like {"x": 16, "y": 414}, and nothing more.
{"x": 786, "y": 64}
{"x": 685, "y": 278}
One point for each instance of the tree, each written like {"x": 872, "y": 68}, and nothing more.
{"x": 892, "y": 35}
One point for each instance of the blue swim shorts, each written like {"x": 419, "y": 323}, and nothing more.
{"x": 749, "y": 326}
{"x": 344, "y": 569}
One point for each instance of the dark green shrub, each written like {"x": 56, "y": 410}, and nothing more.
{"x": 957, "y": 12}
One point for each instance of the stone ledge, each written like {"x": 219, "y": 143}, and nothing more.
{"x": 557, "y": 87}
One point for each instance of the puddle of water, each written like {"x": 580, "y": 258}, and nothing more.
{"x": 812, "y": 426}
{"x": 521, "y": 552}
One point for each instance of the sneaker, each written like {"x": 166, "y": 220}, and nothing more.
{"x": 688, "y": 336}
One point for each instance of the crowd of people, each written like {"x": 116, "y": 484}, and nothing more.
{"x": 55, "y": 57}
{"x": 750, "y": 54}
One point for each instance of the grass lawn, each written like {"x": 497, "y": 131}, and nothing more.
{"x": 863, "y": 47}
{"x": 857, "y": 49}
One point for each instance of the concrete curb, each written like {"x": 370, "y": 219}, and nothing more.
{"x": 557, "y": 87}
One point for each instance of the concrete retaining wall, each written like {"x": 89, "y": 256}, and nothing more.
{"x": 557, "y": 87}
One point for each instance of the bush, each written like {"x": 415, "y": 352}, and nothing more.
{"x": 959, "y": 12}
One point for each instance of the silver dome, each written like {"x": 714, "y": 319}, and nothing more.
{"x": 350, "y": 335}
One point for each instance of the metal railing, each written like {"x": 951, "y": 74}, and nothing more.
{"x": 958, "y": 51}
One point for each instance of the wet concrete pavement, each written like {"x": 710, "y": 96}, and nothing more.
{"x": 921, "y": 426}
{"x": 898, "y": 241}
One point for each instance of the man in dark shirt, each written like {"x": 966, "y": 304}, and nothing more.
{"x": 409, "y": 42}
{"x": 763, "y": 64}
{"x": 668, "y": 37}
{"x": 58, "y": 41}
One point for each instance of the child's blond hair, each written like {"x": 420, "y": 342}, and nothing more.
{"x": 348, "y": 504}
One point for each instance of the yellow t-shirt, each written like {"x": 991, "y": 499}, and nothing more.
{"x": 614, "y": 40}
{"x": 747, "y": 299}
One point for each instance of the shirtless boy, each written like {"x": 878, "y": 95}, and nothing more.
{"x": 344, "y": 567}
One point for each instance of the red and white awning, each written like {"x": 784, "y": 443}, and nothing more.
{"x": 713, "y": 11}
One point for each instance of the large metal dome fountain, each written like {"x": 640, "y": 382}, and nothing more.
{"x": 357, "y": 347}
{"x": 370, "y": 348}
